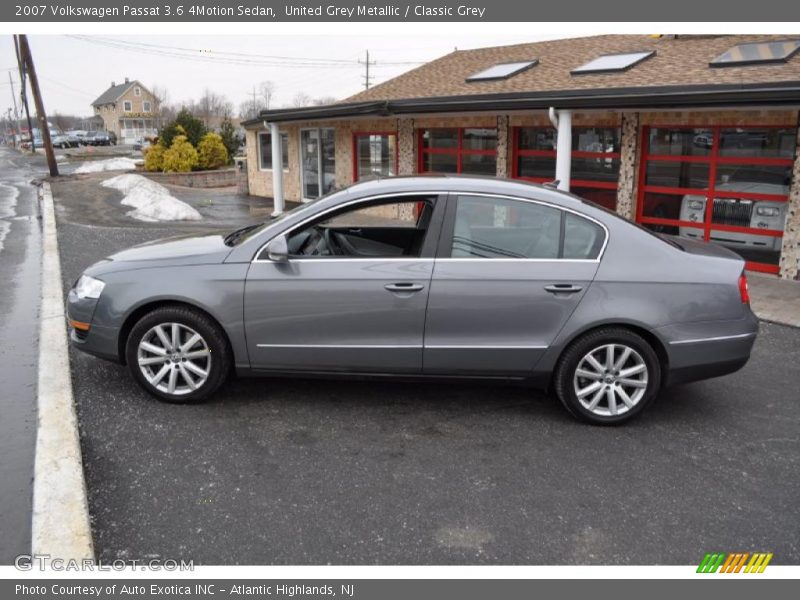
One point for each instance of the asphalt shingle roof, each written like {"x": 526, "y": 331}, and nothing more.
{"x": 112, "y": 93}
{"x": 681, "y": 60}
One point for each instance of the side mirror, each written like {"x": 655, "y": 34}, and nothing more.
{"x": 278, "y": 249}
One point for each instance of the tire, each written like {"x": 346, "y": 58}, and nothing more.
{"x": 192, "y": 373}
{"x": 616, "y": 398}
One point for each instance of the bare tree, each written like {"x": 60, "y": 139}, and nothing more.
{"x": 212, "y": 108}
{"x": 301, "y": 99}
{"x": 163, "y": 109}
{"x": 267, "y": 91}
{"x": 323, "y": 101}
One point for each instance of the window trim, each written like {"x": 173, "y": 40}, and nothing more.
{"x": 713, "y": 160}
{"x": 126, "y": 104}
{"x": 357, "y": 134}
{"x": 516, "y": 152}
{"x": 458, "y": 151}
{"x": 444, "y": 249}
{"x": 258, "y": 148}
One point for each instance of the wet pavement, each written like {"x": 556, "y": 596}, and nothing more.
{"x": 20, "y": 270}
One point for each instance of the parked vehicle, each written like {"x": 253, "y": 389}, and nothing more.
{"x": 738, "y": 212}
{"x": 101, "y": 138}
{"x": 62, "y": 140}
{"x": 425, "y": 277}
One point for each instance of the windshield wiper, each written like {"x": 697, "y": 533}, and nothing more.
{"x": 234, "y": 236}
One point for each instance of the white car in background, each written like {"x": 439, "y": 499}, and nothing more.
{"x": 739, "y": 212}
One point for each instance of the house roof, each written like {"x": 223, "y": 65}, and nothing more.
{"x": 677, "y": 75}
{"x": 113, "y": 93}
{"x": 679, "y": 61}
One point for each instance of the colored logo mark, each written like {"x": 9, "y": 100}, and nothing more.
{"x": 734, "y": 562}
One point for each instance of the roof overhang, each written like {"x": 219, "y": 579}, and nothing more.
{"x": 784, "y": 93}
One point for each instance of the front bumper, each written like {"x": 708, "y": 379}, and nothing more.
{"x": 99, "y": 340}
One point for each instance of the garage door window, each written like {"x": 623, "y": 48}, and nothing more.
{"x": 728, "y": 185}
{"x": 458, "y": 150}
{"x": 595, "y": 160}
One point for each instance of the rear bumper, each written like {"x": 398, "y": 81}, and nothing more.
{"x": 706, "y": 350}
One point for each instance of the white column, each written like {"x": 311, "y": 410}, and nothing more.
{"x": 277, "y": 169}
{"x": 564, "y": 149}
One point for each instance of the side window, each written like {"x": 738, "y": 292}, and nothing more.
{"x": 582, "y": 238}
{"x": 501, "y": 228}
{"x": 386, "y": 229}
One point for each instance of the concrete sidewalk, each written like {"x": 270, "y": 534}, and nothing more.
{"x": 774, "y": 299}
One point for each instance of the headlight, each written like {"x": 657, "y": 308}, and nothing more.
{"x": 767, "y": 211}
{"x": 696, "y": 204}
{"x": 89, "y": 287}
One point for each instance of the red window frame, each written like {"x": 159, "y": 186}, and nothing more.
{"x": 459, "y": 151}
{"x": 713, "y": 160}
{"x": 587, "y": 183}
{"x": 358, "y": 134}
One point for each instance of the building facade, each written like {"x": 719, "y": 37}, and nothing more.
{"x": 694, "y": 136}
{"x": 129, "y": 110}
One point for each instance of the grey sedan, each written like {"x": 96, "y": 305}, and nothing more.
{"x": 425, "y": 277}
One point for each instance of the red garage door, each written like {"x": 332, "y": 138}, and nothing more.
{"x": 728, "y": 185}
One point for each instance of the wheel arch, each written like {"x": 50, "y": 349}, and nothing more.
{"x": 140, "y": 311}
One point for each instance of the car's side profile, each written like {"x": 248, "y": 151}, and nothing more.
{"x": 426, "y": 277}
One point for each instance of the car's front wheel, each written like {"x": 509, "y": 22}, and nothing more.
{"x": 608, "y": 376}
{"x": 178, "y": 354}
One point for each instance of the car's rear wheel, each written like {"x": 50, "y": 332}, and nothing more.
{"x": 178, "y": 354}
{"x": 608, "y": 376}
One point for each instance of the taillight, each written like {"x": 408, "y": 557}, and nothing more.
{"x": 743, "y": 292}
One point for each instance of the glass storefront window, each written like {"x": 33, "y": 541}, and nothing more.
{"x": 680, "y": 142}
{"x": 376, "y": 155}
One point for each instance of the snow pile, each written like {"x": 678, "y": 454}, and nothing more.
{"x": 151, "y": 200}
{"x": 111, "y": 164}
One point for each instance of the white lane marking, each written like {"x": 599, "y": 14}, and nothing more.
{"x": 60, "y": 525}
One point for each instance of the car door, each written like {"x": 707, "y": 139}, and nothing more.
{"x": 509, "y": 273}
{"x": 352, "y": 294}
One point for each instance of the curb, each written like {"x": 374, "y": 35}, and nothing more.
{"x": 60, "y": 524}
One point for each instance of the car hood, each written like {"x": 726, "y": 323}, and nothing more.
{"x": 208, "y": 248}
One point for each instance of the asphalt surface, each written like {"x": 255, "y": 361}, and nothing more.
{"x": 20, "y": 269}
{"x": 318, "y": 472}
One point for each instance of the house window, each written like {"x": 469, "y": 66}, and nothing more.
{"x": 146, "y": 106}
{"x": 595, "y": 160}
{"x": 265, "y": 151}
{"x": 728, "y": 185}
{"x": 137, "y": 91}
{"x": 458, "y": 150}
{"x": 375, "y": 155}
{"x": 127, "y": 106}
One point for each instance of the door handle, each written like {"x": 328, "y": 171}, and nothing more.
{"x": 404, "y": 286}
{"x": 562, "y": 288}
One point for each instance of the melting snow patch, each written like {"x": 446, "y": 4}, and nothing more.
{"x": 151, "y": 200}
{"x": 110, "y": 164}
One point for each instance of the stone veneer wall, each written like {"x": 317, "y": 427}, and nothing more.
{"x": 503, "y": 147}
{"x": 790, "y": 247}
{"x": 407, "y": 147}
{"x": 629, "y": 152}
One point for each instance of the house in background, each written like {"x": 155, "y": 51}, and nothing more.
{"x": 689, "y": 135}
{"x": 129, "y": 110}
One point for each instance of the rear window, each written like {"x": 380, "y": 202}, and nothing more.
{"x": 582, "y": 238}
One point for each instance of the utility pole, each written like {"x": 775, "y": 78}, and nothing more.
{"x": 25, "y": 51}
{"x": 255, "y": 104}
{"x": 366, "y": 76}
{"x": 22, "y": 93}
{"x": 16, "y": 111}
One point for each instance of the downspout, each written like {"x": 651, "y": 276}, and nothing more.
{"x": 562, "y": 121}
{"x": 277, "y": 167}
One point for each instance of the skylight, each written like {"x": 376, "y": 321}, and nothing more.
{"x": 609, "y": 63}
{"x": 502, "y": 70}
{"x": 757, "y": 53}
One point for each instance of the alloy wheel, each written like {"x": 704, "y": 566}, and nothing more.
{"x": 174, "y": 358}
{"x": 610, "y": 380}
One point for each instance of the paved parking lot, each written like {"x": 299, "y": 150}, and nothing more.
{"x": 313, "y": 472}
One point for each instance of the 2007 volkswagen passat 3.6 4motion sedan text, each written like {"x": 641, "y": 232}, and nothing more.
{"x": 426, "y": 277}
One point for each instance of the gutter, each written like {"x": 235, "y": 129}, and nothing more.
{"x": 770, "y": 94}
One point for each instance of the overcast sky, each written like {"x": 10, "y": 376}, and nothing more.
{"x": 73, "y": 72}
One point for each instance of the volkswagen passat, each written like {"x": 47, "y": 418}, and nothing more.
{"x": 431, "y": 277}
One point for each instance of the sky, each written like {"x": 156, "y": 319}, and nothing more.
{"x": 74, "y": 70}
